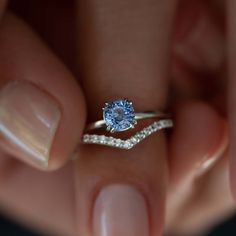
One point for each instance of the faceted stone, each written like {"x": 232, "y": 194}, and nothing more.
{"x": 86, "y": 138}
{"x": 102, "y": 139}
{"x": 119, "y": 115}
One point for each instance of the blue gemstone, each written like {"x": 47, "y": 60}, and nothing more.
{"x": 119, "y": 115}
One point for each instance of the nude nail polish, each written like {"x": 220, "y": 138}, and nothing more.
{"x": 120, "y": 210}
{"x": 29, "y": 118}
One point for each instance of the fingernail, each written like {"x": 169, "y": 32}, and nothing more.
{"x": 120, "y": 210}
{"x": 29, "y": 118}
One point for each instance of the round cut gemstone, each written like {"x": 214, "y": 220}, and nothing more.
{"x": 119, "y": 115}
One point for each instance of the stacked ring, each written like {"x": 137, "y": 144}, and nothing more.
{"x": 119, "y": 116}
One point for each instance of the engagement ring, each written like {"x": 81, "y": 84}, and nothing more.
{"x": 119, "y": 116}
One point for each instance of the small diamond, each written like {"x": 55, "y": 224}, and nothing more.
{"x": 111, "y": 141}
{"x": 149, "y": 130}
{"x": 138, "y": 137}
{"x": 119, "y": 115}
{"x": 102, "y": 139}
{"x": 117, "y": 142}
{"x": 122, "y": 143}
{"x": 86, "y": 138}
{"x": 94, "y": 138}
{"x": 156, "y": 126}
{"x": 134, "y": 140}
{"x": 142, "y": 134}
{"x": 127, "y": 145}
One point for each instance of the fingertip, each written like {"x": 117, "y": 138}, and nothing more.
{"x": 43, "y": 113}
{"x": 200, "y": 134}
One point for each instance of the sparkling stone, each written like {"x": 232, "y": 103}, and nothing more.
{"x": 122, "y": 143}
{"x": 117, "y": 142}
{"x": 142, "y": 134}
{"x": 86, "y": 138}
{"x": 94, "y": 139}
{"x": 149, "y": 130}
{"x": 155, "y": 126}
{"x": 119, "y": 115}
{"x": 127, "y": 145}
{"x": 134, "y": 140}
{"x": 138, "y": 136}
{"x": 102, "y": 139}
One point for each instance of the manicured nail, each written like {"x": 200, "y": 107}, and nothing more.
{"x": 120, "y": 210}
{"x": 29, "y": 118}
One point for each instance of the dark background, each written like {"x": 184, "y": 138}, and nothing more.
{"x": 8, "y": 228}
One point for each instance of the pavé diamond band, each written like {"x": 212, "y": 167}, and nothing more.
{"x": 119, "y": 116}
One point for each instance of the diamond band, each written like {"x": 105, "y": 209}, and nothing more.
{"x": 132, "y": 141}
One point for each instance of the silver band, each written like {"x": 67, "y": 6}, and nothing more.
{"x": 138, "y": 116}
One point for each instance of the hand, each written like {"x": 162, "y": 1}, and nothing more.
{"x": 125, "y": 50}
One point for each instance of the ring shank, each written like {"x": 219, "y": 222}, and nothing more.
{"x": 138, "y": 116}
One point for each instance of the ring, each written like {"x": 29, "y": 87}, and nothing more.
{"x": 119, "y": 116}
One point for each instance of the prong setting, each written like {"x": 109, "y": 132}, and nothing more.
{"x": 112, "y": 130}
{"x": 119, "y": 115}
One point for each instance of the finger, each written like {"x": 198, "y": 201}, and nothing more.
{"x": 51, "y": 26}
{"x": 231, "y": 90}
{"x": 200, "y": 41}
{"x": 124, "y": 53}
{"x": 34, "y": 198}
{"x": 199, "y": 50}
{"x": 197, "y": 144}
{"x": 200, "y": 137}
{"x": 205, "y": 206}
{"x": 42, "y": 107}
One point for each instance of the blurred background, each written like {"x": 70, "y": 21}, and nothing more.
{"x": 10, "y": 228}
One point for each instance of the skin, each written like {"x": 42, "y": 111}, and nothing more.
{"x": 157, "y": 55}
